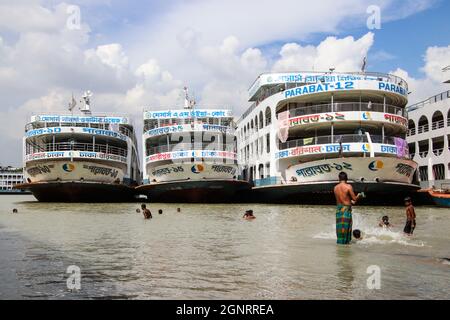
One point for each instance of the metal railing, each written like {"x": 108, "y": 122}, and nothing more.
{"x": 269, "y": 92}
{"x": 439, "y": 97}
{"x": 423, "y": 128}
{"x": 349, "y": 138}
{"x": 411, "y": 132}
{"x": 189, "y": 146}
{"x": 347, "y": 106}
{"x": 435, "y": 125}
{"x": 67, "y": 146}
{"x": 438, "y": 152}
{"x": 423, "y": 154}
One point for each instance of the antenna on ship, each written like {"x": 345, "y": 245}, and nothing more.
{"x": 188, "y": 103}
{"x": 364, "y": 65}
{"x": 72, "y": 104}
{"x": 87, "y": 102}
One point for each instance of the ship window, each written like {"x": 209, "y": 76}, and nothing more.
{"x": 424, "y": 146}
{"x": 439, "y": 172}
{"x": 423, "y": 173}
{"x": 437, "y": 121}
{"x": 423, "y": 125}
{"x": 411, "y": 127}
{"x": 412, "y": 149}
{"x": 448, "y": 118}
{"x": 268, "y": 116}
{"x": 268, "y": 143}
{"x": 438, "y": 146}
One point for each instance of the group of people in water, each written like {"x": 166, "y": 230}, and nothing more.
{"x": 248, "y": 215}
{"x": 346, "y": 199}
{"x": 147, "y": 213}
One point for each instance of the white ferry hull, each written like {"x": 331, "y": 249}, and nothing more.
{"x": 377, "y": 169}
{"x": 73, "y": 171}
{"x": 190, "y": 171}
{"x": 384, "y": 180}
{"x": 79, "y": 181}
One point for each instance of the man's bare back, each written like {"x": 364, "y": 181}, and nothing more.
{"x": 344, "y": 194}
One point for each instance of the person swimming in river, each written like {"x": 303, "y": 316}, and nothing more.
{"x": 160, "y": 211}
{"x": 345, "y": 199}
{"x": 384, "y": 223}
{"x": 357, "y": 234}
{"x": 248, "y": 215}
{"x": 146, "y": 212}
{"x": 410, "y": 217}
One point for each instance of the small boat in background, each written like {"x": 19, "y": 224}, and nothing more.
{"x": 441, "y": 197}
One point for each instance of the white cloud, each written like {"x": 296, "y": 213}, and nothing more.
{"x": 342, "y": 54}
{"x": 111, "y": 55}
{"x": 431, "y": 83}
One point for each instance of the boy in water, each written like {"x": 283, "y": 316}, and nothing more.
{"x": 410, "y": 217}
{"x": 146, "y": 212}
{"x": 345, "y": 198}
{"x": 384, "y": 223}
{"x": 357, "y": 234}
{"x": 249, "y": 215}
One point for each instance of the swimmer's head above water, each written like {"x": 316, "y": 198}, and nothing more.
{"x": 357, "y": 234}
{"x": 408, "y": 201}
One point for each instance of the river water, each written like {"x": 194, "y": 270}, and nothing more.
{"x": 210, "y": 252}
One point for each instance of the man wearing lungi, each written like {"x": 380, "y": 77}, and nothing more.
{"x": 345, "y": 198}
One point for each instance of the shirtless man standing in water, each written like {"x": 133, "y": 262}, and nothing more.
{"x": 345, "y": 198}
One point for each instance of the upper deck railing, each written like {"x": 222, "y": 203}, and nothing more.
{"x": 348, "y": 138}
{"x": 347, "y": 107}
{"x": 189, "y": 146}
{"x": 309, "y": 78}
{"x": 67, "y": 146}
{"x": 439, "y": 97}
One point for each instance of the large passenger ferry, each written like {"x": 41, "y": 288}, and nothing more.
{"x": 190, "y": 156}
{"x": 81, "y": 157}
{"x": 303, "y": 128}
{"x": 429, "y": 145}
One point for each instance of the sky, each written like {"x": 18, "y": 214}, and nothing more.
{"x": 135, "y": 55}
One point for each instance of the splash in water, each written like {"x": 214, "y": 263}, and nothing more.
{"x": 373, "y": 234}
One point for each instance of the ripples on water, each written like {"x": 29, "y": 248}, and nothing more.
{"x": 209, "y": 252}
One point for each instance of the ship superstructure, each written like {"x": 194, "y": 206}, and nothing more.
{"x": 81, "y": 157}
{"x": 190, "y": 155}
{"x": 303, "y": 128}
